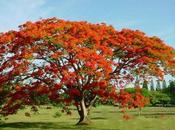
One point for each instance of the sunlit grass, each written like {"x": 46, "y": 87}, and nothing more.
{"x": 103, "y": 118}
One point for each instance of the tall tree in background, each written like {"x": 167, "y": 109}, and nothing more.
{"x": 76, "y": 62}
{"x": 145, "y": 84}
{"x": 164, "y": 85}
{"x": 171, "y": 84}
{"x": 152, "y": 85}
{"x": 137, "y": 82}
{"x": 158, "y": 85}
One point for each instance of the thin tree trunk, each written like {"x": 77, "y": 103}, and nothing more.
{"x": 83, "y": 113}
{"x": 140, "y": 110}
{"x": 90, "y": 104}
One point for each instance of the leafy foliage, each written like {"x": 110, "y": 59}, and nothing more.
{"x": 157, "y": 97}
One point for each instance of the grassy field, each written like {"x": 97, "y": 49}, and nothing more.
{"x": 103, "y": 118}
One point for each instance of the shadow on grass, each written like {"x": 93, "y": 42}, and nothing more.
{"x": 42, "y": 125}
{"x": 97, "y": 112}
{"x": 94, "y": 118}
{"x": 159, "y": 114}
{"x": 98, "y": 118}
{"x": 117, "y": 111}
{"x": 156, "y": 115}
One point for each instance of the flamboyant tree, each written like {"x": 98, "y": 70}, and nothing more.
{"x": 74, "y": 62}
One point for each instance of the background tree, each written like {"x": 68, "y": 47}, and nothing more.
{"x": 76, "y": 62}
{"x": 157, "y": 98}
{"x": 170, "y": 91}
{"x": 145, "y": 84}
{"x": 152, "y": 85}
{"x": 158, "y": 85}
{"x": 171, "y": 84}
{"x": 137, "y": 82}
{"x": 164, "y": 85}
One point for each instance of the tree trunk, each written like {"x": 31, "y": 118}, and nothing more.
{"x": 88, "y": 110}
{"x": 90, "y": 104}
{"x": 83, "y": 113}
{"x": 140, "y": 110}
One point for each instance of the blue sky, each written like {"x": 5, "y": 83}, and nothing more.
{"x": 154, "y": 17}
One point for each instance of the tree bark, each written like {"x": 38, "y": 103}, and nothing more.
{"x": 140, "y": 110}
{"x": 90, "y": 104}
{"x": 83, "y": 113}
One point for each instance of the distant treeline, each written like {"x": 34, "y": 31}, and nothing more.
{"x": 158, "y": 96}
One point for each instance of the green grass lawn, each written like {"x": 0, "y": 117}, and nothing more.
{"x": 103, "y": 118}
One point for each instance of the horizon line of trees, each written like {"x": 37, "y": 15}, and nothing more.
{"x": 157, "y": 85}
{"x": 160, "y": 94}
